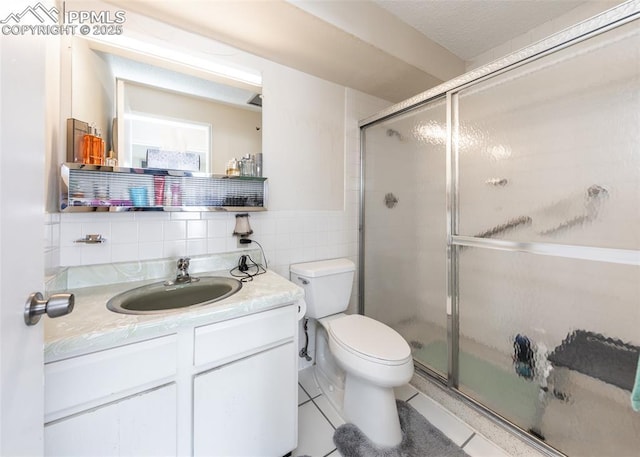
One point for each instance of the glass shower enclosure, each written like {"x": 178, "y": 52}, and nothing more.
{"x": 500, "y": 235}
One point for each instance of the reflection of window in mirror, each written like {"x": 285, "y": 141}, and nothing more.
{"x": 159, "y": 142}
{"x": 170, "y": 129}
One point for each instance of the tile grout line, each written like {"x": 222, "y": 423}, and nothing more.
{"x": 327, "y": 419}
{"x": 319, "y": 409}
{"x": 305, "y": 402}
{"x": 467, "y": 441}
{"x": 412, "y": 397}
{"x": 305, "y": 391}
{"x": 322, "y": 412}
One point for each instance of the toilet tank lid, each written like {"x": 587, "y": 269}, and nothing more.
{"x": 322, "y": 267}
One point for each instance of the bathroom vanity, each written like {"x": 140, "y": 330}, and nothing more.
{"x": 218, "y": 379}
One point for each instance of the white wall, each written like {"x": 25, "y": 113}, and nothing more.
{"x": 303, "y": 140}
{"x": 93, "y": 96}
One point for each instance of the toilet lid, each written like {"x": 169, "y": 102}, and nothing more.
{"x": 369, "y": 337}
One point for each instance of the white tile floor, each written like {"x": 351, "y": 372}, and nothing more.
{"x": 317, "y": 421}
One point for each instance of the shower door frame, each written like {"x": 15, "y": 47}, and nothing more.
{"x": 608, "y": 20}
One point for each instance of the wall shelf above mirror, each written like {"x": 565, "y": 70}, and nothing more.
{"x": 102, "y": 188}
{"x": 143, "y": 104}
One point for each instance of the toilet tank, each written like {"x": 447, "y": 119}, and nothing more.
{"x": 327, "y": 285}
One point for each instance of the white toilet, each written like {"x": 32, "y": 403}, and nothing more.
{"x": 358, "y": 359}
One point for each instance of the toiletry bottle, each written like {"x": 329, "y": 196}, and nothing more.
{"x": 111, "y": 161}
{"x": 259, "y": 164}
{"x": 251, "y": 165}
{"x": 254, "y": 166}
{"x": 176, "y": 195}
{"x": 97, "y": 149}
{"x": 243, "y": 166}
{"x": 87, "y": 146}
{"x": 233, "y": 168}
{"x": 168, "y": 195}
{"x": 247, "y": 166}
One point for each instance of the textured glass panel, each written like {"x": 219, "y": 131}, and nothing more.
{"x": 405, "y": 228}
{"x": 552, "y": 345}
{"x": 550, "y": 151}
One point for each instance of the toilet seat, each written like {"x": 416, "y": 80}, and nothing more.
{"x": 369, "y": 339}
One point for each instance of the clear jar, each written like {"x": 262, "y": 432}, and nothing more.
{"x": 247, "y": 166}
{"x": 233, "y": 168}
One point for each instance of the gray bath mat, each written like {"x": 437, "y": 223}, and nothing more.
{"x": 419, "y": 439}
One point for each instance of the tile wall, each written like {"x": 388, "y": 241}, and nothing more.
{"x": 286, "y": 236}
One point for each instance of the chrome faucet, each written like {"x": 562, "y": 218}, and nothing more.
{"x": 183, "y": 276}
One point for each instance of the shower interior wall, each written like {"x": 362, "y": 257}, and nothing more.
{"x": 405, "y": 246}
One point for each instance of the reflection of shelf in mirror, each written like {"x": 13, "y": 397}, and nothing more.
{"x": 104, "y": 188}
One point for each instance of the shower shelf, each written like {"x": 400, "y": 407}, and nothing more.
{"x": 103, "y": 188}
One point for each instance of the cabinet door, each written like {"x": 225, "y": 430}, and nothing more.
{"x": 248, "y": 407}
{"x": 140, "y": 425}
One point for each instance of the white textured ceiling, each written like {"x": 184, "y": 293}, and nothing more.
{"x": 468, "y": 28}
{"x": 392, "y": 49}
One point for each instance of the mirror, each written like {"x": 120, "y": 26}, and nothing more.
{"x": 157, "y": 117}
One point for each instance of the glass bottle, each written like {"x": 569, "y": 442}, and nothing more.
{"x": 233, "y": 168}
{"x": 97, "y": 150}
{"x": 111, "y": 161}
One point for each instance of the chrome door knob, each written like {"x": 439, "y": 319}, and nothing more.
{"x": 57, "y": 305}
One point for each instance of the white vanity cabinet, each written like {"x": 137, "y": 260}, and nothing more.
{"x": 226, "y": 388}
{"x": 119, "y": 401}
{"x": 140, "y": 425}
{"x": 246, "y": 404}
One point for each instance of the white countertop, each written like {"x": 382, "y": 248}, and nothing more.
{"x": 92, "y": 327}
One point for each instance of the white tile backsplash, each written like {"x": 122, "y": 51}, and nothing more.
{"x": 149, "y": 231}
{"x": 175, "y": 230}
{"x": 196, "y": 229}
{"x": 288, "y": 236}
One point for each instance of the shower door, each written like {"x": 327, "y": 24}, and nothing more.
{"x": 547, "y": 236}
{"x": 501, "y": 238}
{"x": 405, "y": 230}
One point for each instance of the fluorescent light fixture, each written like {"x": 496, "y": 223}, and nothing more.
{"x": 166, "y": 54}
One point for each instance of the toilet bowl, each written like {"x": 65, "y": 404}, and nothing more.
{"x": 358, "y": 360}
{"x": 375, "y": 359}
